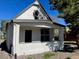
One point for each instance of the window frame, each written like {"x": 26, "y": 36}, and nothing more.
{"x": 45, "y": 35}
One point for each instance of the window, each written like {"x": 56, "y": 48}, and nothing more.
{"x": 28, "y": 35}
{"x": 45, "y": 35}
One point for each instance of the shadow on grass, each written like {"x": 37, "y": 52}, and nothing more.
{"x": 68, "y": 48}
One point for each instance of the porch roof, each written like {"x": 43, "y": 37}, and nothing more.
{"x": 36, "y": 23}
{"x": 56, "y": 21}
{"x": 30, "y": 20}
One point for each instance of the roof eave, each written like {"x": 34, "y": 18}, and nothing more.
{"x": 59, "y": 24}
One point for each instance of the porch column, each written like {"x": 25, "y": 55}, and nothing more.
{"x": 16, "y": 30}
{"x": 61, "y": 38}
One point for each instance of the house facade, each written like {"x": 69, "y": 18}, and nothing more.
{"x": 33, "y": 31}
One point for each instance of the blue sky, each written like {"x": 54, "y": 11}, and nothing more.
{"x": 10, "y": 8}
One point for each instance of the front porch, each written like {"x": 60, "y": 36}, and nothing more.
{"x": 36, "y": 39}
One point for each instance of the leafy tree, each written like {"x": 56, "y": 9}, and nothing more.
{"x": 69, "y": 9}
{"x": 3, "y": 25}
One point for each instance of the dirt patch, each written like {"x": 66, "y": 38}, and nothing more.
{"x": 48, "y": 55}
{"x": 58, "y": 55}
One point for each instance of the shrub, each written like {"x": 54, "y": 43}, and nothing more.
{"x": 48, "y": 55}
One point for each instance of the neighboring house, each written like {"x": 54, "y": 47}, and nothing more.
{"x": 33, "y": 31}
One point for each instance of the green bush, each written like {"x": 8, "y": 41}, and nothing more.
{"x": 48, "y": 55}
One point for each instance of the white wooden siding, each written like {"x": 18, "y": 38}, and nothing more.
{"x": 9, "y": 36}
{"x": 28, "y": 14}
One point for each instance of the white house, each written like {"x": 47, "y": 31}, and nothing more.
{"x": 33, "y": 31}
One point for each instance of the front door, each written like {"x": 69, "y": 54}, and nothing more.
{"x": 28, "y": 35}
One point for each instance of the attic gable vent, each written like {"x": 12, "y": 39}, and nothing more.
{"x": 36, "y": 14}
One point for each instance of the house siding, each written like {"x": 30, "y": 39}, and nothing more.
{"x": 28, "y": 14}
{"x": 32, "y": 48}
{"x": 9, "y": 36}
{"x": 16, "y": 32}
{"x": 35, "y": 34}
{"x": 36, "y": 46}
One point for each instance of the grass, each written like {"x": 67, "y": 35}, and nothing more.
{"x": 47, "y": 55}
{"x": 29, "y": 57}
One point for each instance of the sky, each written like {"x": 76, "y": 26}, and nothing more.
{"x": 10, "y": 8}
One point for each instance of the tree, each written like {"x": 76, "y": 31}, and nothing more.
{"x": 3, "y": 25}
{"x": 69, "y": 9}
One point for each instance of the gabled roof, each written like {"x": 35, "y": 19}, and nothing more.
{"x": 58, "y": 21}
{"x": 34, "y": 3}
{"x": 22, "y": 11}
{"x": 55, "y": 21}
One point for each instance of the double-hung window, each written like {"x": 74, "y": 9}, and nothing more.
{"x": 45, "y": 35}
